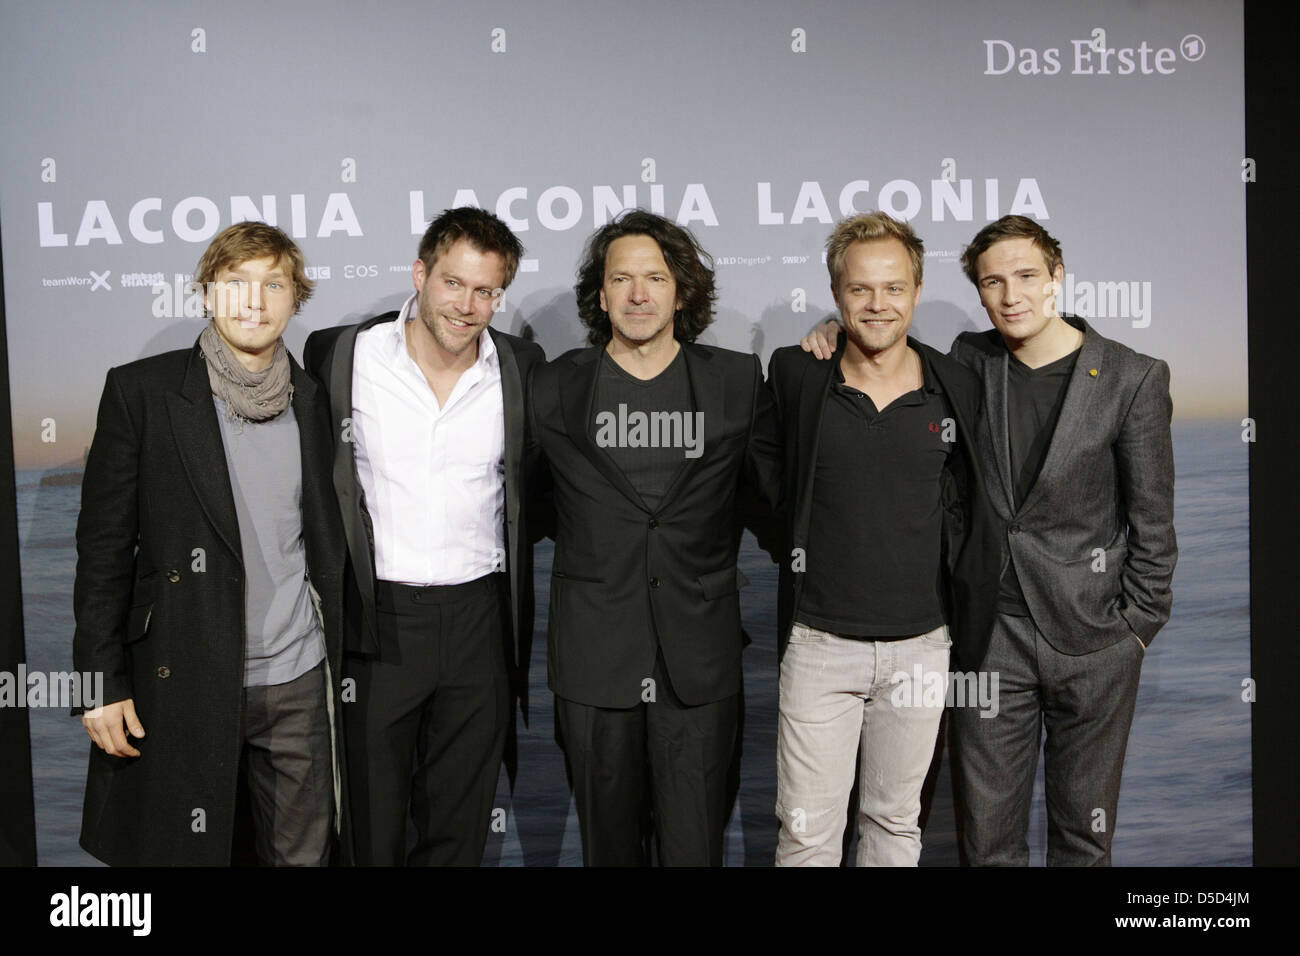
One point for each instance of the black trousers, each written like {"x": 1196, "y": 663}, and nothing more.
{"x": 658, "y": 768}
{"x": 427, "y": 729}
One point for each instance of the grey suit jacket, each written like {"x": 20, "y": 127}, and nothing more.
{"x": 1093, "y": 543}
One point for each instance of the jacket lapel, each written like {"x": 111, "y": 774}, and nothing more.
{"x": 338, "y": 374}
{"x": 995, "y": 405}
{"x": 1074, "y": 411}
{"x": 578, "y": 398}
{"x": 512, "y": 396}
{"x": 709, "y": 392}
{"x": 198, "y": 443}
{"x": 512, "y": 399}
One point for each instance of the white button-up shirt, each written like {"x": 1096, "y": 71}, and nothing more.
{"x": 434, "y": 477}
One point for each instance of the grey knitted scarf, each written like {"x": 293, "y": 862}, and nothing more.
{"x": 250, "y": 396}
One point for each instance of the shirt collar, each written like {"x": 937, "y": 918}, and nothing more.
{"x": 932, "y": 384}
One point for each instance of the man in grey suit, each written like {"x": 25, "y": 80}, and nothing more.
{"x": 1076, "y": 445}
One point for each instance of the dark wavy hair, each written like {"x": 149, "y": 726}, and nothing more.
{"x": 691, "y": 266}
{"x": 484, "y": 231}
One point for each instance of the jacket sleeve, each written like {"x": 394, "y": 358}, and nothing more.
{"x": 759, "y": 499}
{"x": 107, "y": 533}
{"x": 1144, "y": 457}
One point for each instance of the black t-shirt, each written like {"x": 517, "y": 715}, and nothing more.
{"x": 648, "y": 427}
{"x": 1034, "y": 400}
{"x": 874, "y": 557}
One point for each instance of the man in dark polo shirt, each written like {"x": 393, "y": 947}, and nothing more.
{"x": 886, "y": 555}
{"x": 648, "y": 437}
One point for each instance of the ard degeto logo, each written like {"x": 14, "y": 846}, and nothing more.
{"x": 1094, "y": 55}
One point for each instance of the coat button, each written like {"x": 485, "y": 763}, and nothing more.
{"x": 654, "y": 582}
{"x": 164, "y": 672}
{"x": 173, "y": 576}
{"x": 654, "y": 523}
{"x": 1015, "y": 529}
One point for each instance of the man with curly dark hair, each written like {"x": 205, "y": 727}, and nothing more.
{"x": 649, "y": 436}
{"x": 685, "y": 260}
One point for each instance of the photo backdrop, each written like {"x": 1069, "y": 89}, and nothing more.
{"x": 131, "y": 133}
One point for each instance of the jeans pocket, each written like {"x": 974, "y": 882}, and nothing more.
{"x": 803, "y": 634}
{"x": 939, "y": 637}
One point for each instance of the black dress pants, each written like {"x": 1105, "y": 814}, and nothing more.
{"x": 427, "y": 729}
{"x": 658, "y": 768}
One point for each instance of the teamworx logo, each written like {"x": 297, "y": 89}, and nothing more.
{"x": 1092, "y": 56}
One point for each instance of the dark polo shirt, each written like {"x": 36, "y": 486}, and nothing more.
{"x": 874, "y": 561}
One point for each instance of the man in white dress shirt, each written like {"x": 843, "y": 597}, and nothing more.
{"x": 430, "y": 468}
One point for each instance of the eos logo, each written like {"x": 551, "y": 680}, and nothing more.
{"x": 1091, "y": 57}
{"x": 360, "y": 272}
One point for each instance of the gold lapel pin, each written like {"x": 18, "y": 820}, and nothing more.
{"x": 1092, "y": 372}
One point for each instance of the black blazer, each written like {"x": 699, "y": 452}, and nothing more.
{"x": 165, "y": 623}
{"x": 328, "y": 356}
{"x": 1094, "y": 541}
{"x": 627, "y": 579}
{"x": 800, "y": 384}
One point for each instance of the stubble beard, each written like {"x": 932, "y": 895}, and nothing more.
{"x": 444, "y": 342}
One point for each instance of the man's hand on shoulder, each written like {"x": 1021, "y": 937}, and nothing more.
{"x": 822, "y": 340}
{"x": 104, "y": 724}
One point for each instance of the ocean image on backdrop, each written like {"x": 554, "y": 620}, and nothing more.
{"x": 1186, "y": 797}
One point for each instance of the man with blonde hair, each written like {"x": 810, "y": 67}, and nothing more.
{"x": 209, "y": 584}
{"x": 885, "y": 555}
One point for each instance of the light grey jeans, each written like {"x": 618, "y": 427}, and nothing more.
{"x": 840, "y": 695}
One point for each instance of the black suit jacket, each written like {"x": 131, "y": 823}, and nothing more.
{"x": 165, "y": 623}
{"x": 800, "y": 385}
{"x": 1094, "y": 542}
{"x": 628, "y": 579}
{"x": 328, "y": 355}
